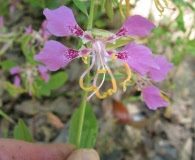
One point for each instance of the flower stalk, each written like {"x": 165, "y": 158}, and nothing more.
{"x": 87, "y": 81}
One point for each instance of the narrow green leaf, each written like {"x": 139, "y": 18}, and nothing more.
{"x": 109, "y": 9}
{"x": 90, "y": 128}
{"x": 101, "y": 32}
{"x": 21, "y": 132}
{"x": 57, "y": 80}
{"x": 7, "y": 65}
{"x": 4, "y": 115}
{"x": 119, "y": 43}
{"x": 81, "y": 6}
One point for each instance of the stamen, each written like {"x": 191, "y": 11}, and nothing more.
{"x": 128, "y": 76}
{"x": 84, "y": 74}
{"x": 109, "y": 91}
{"x": 84, "y": 58}
{"x": 160, "y": 7}
{"x": 102, "y": 71}
{"x": 86, "y": 88}
{"x": 113, "y": 57}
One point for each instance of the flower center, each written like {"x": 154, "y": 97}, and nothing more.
{"x": 99, "y": 57}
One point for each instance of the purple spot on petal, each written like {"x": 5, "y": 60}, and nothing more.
{"x": 121, "y": 32}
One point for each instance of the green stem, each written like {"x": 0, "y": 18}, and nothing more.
{"x": 87, "y": 81}
{"x": 90, "y": 22}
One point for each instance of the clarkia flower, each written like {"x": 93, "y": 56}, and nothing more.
{"x": 138, "y": 58}
{"x": 41, "y": 35}
{"x": 30, "y": 73}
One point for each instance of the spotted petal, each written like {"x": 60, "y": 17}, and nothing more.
{"x": 152, "y": 98}
{"x": 55, "y": 55}
{"x": 158, "y": 75}
{"x": 138, "y": 57}
{"x": 61, "y": 22}
{"x": 136, "y": 26}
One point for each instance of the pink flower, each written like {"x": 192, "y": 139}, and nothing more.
{"x": 138, "y": 57}
{"x": 61, "y": 22}
{"x": 15, "y": 70}
{"x": 160, "y": 74}
{"x": 29, "y": 30}
{"x": 152, "y": 97}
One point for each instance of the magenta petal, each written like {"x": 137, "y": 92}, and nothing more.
{"x": 45, "y": 33}
{"x": 15, "y": 70}
{"x": 42, "y": 69}
{"x": 17, "y": 81}
{"x": 138, "y": 57}
{"x": 152, "y": 98}
{"x": 55, "y": 55}
{"x": 43, "y": 72}
{"x": 136, "y": 26}
{"x": 158, "y": 75}
{"x": 61, "y": 22}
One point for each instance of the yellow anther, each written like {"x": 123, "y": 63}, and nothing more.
{"x": 103, "y": 71}
{"x": 121, "y": 9}
{"x": 88, "y": 89}
{"x": 128, "y": 70}
{"x": 113, "y": 57}
{"x": 109, "y": 91}
{"x": 84, "y": 58}
{"x": 159, "y": 6}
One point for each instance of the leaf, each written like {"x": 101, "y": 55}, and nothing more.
{"x": 41, "y": 88}
{"x": 101, "y": 32}
{"x": 109, "y": 9}
{"x": 123, "y": 116}
{"x": 90, "y": 127}
{"x": 13, "y": 90}
{"x": 116, "y": 76}
{"x": 4, "y": 115}
{"x": 7, "y": 65}
{"x": 81, "y": 6}
{"x": 121, "y": 113}
{"x": 21, "y": 132}
{"x": 119, "y": 43}
{"x": 28, "y": 49}
{"x": 180, "y": 21}
{"x": 190, "y": 47}
{"x": 57, "y": 80}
